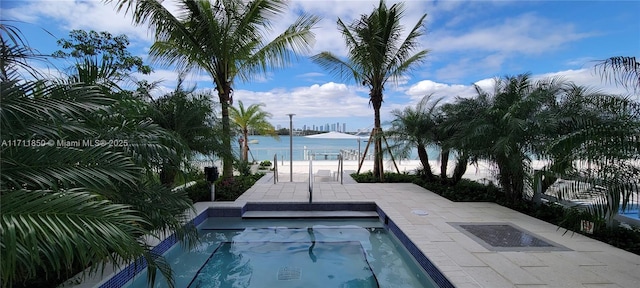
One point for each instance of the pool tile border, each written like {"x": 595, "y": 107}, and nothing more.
{"x": 426, "y": 264}
{"x": 130, "y": 271}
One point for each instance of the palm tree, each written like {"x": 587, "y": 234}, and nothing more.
{"x": 503, "y": 125}
{"x": 416, "y": 128}
{"x": 599, "y": 130}
{"x": 14, "y": 51}
{"x": 451, "y": 124}
{"x": 227, "y": 39}
{"x": 377, "y": 54}
{"x": 445, "y": 130}
{"x": 68, "y": 201}
{"x": 253, "y": 117}
{"x": 190, "y": 118}
{"x": 47, "y": 188}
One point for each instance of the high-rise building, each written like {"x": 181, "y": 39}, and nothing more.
{"x": 344, "y": 127}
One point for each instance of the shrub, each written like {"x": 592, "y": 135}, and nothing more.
{"x": 266, "y": 164}
{"x": 199, "y": 192}
{"x": 243, "y": 167}
{"x": 623, "y": 238}
{"x": 367, "y": 177}
{"x": 229, "y": 189}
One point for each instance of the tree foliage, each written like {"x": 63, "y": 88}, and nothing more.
{"x": 601, "y": 147}
{"x": 189, "y": 116}
{"x": 227, "y": 39}
{"x": 623, "y": 70}
{"x": 101, "y": 47}
{"x": 502, "y": 125}
{"x": 252, "y": 117}
{"x": 75, "y": 168}
{"x": 416, "y": 128}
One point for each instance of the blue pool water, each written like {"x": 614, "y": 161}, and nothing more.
{"x": 631, "y": 213}
{"x": 292, "y": 253}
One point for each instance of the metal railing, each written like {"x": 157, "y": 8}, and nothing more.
{"x": 310, "y": 180}
{"x": 340, "y": 175}
{"x": 275, "y": 168}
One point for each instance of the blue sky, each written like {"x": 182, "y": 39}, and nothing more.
{"x": 469, "y": 42}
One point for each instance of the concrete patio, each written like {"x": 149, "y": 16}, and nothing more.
{"x": 427, "y": 219}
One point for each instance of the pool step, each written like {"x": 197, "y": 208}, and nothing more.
{"x": 310, "y": 214}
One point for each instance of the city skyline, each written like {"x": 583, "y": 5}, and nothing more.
{"x": 326, "y": 127}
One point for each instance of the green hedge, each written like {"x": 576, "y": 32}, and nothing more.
{"x": 230, "y": 189}
{"x": 367, "y": 177}
{"x": 199, "y": 192}
{"x": 226, "y": 189}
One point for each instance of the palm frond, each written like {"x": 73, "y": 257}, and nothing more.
{"x": 295, "y": 40}
{"x": 16, "y": 54}
{"x": 622, "y": 70}
{"x": 57, "y": 230}
{"x": 50, "y": 166}
{"x": 163, "y": 209}
{"x": 48, "y": 104}
{"x": 339, "y": 68}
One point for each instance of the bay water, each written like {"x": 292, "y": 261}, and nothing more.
{"x": 265, "y": 148}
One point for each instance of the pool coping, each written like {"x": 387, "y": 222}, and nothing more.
{"x": 126, "y": 274}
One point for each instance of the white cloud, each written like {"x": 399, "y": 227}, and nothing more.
{"x": 582, "y": 77}
{"x": 466, "y": 42}
{"x": 329, "y": 100}
{"x": 447, "y": 91}
{"x": 589, "y": 78}
{"x": 525, "y": 34}
{"x": 69, "y": 15}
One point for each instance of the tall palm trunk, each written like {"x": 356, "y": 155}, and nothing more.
{"x": 424, "y": 159}
{"x": 444, "y": 162}
{"x": 376, "y": 101}
{"x": 227, "y": 158}
{"x": 511, "y": 178}
{"x": 245, "y": 145}
{"x": 460, "y": 168}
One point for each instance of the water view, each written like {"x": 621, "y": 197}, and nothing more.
{"x": 264, "y": 148}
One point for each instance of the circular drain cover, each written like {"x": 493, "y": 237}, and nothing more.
{"x": 420, "y": 212}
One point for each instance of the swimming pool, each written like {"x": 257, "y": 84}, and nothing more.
{"x": 293, "y": 253}
{"x": 353, "y": 252}
{"x": 631, "y": 215}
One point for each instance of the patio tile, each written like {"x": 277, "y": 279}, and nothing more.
{"x": 487, "y": 277}
{"x": 460, "y": 255}
{"x": 463, "y": 261}
{"x": 509, "y": 270}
